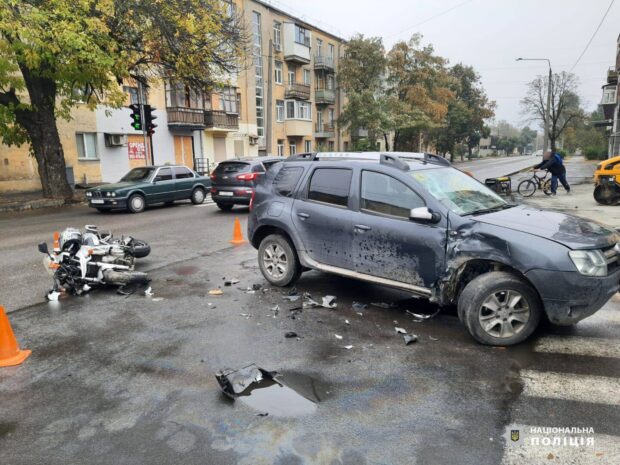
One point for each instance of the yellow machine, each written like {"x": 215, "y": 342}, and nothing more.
{"x": 607, "y": 181}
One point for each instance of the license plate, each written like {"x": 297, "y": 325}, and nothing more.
{"x": 226, "y": 193}
{"x": 97, "y": 201}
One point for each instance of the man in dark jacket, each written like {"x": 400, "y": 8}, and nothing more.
{"x": 553, "y": 163}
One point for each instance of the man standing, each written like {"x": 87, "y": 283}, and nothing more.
{"x": 553, "y": 163}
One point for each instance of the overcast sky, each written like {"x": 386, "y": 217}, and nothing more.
{"x": 489, "y": 35}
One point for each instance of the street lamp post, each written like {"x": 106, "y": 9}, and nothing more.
{"x": 548, "y": 109}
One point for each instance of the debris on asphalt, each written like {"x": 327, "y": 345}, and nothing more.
{"x": 347, "y": 347}
{"x": 157, "y": 299}
{"x": 235, "y": 382}
{"x": 53, "y": 296}
{"x": 347, "y": 322}
{"x": 423, "y": 316}
{"x": 290, "y": 334}
{"x": 257, "y": 286}
{"x": 410, "y": 339}
{"x": 433, "y": 338}
{"x": 216, "y": 292}
{"x": 358, "y": 306}
{"x": 338, "y": 336}
{"x": 292, "y": 298}
{"x": 246, "y": 315}
{"x": 262, "y": 414}
{"x": 275, "y": 310}
{"x": 328, "y": 301}
{"x": 360, "y": 313}
{"x": 294, "y": 312}
{"x": 400, "y": 330}
{"x": 148, "y": 292}
{"x": 383, "y": 304}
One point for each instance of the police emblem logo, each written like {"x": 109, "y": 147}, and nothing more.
{"x": 514, "y": 434}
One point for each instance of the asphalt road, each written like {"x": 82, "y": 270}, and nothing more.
{"x": 496, "y": 167}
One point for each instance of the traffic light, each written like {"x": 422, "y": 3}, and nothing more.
{"x": 136, "y": 119}
{"x": 149, "y": 117}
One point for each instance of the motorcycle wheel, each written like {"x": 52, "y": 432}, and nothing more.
{"x": 140, "y": 248}
{"x": 606, "y": 195}
{"x": 125, "y": 277}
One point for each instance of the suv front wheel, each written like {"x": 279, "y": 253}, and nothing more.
{"x": 278, "y": 261}
{"x": 499, "y": 308}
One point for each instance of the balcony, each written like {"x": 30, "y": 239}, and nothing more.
{"x": 324, "y": 62}
{"x": 298, "y": 127}
{"x": 324, "y": 96}
{"x": 185, "y": 118}
{"x": 297, "y": 90}
{"x": 294, "y": 51}
{"x": 220, "y": 121}
{"x": 324, "y": 130}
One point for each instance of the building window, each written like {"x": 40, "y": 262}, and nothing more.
{"x": 297, "y": 109}
{"x": 330, "y": 82}
{"x": 87, "y": 145}
{"x": 228, "y": 100}
{"x": 306, "y": 77}
{"x": 257, "y": 52}
{"x": 292, "y": 148}
{"x": 330, "y": 116}
{"x": 307, "y": 146}
{"x": 280, "y": 147}
{"x": 277, "y": 34}
{"x": 278, "y": 72}
{"x": 279, "y": 110}
{"x": 291, "y": 75}
{"x": 132, "y": 93}
{"x": 180, "y": 95}
{"x": 319, "y": 47}
{"x": 239, "y": 103}
{"x": 331, "y": 50}
{"x": 302, "y": 36}
{"x": 330, "y": 145}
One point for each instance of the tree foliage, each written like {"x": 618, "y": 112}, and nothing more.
{"x": 55, "y": 54}
{"x": 564, "y": 108}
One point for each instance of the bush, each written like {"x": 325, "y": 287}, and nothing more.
{"x": 562, "y": 153}
{"x": 595, "y": 153}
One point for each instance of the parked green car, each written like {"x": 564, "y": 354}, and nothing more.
{"x": 149, "y": 185}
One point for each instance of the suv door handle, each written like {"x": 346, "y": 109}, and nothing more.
{"x": 362, "y": 227}
{"x": 303, "y": 216}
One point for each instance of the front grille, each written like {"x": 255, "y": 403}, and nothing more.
{"x": 97, "y": 195}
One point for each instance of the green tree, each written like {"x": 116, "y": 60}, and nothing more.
{"x": 57, "y": 53}
{"x": 526, "y": 138}
{"x": 564, "y": 108}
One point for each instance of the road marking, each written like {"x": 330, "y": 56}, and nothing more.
{"x": 568, "y": 386}
{"x": 577, "y": 345}
{"x": 533, "y": 447}
{"x": 205, "y": 205}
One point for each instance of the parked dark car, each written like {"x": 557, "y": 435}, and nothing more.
{"x": 148, "y": 185}
{"x": 234, "y": 180}
{"x": 415, "y": 223}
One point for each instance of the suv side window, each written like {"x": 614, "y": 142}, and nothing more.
{"x": 164, "y": 174}
{"x": 330, "y": 185}
{"x": 388, "y": 196}
{"x": 285, "y": 181}
{"x": 181, "y": 172}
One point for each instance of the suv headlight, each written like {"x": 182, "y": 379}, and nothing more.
{"x": 589, "y": 262}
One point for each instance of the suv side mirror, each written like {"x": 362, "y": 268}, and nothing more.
{"x": 43, "y": 248}
{"x": 424, "y": 215}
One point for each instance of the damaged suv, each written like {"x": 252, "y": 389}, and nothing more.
{"x": 413, "y": 222}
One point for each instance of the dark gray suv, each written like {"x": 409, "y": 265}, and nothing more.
{"x": 414, "y": 222}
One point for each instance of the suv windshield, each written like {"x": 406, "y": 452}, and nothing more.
{"x": 231, "y": 167}
{"x": 137, "y": 174}
{"x": 459, "y": 192}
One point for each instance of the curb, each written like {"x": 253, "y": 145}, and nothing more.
{"x": 32, "y": 205}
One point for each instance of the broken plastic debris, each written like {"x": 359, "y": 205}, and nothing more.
{"x": 53, "y": 296}
{"x": 292, "y": 298}
{"x": 433, "y": 338}
{"x": 400, "y": 330}
{"x": 410, "y": 339}
{"x": 347, "y": 347}
{"x": 358, "y": 306}
{"x": 246, "y": 315}
{"x": 230, "y": 282}
{"x": 256, "y": 286}
{"x": 148, "y": 292}
{"x": 347, "y": 322}
{"x": 275, "y": 309}
{"x": 157, "y": 299}
{"x": 86, "y": 288}
{"x": 215, "y": 292}
{"x": 383, "y": 304}
{"x": 290, "y": 334}
{"x": 338, "y": 336}
{"x": 235, "y": 382}
{"x": 423, "y": 316}
{"x": 329, "y": 301}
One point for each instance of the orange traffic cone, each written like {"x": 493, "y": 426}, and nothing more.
{"x": 10, "y": 354}
{"x": 237, "y": 234}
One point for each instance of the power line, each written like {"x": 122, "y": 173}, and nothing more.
{"x": 430, "y": 19}
{"x": 593, "y": 35}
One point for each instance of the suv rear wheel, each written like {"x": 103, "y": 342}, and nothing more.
{"x": 499, "y": 308}
{"x": 278, "y": 261}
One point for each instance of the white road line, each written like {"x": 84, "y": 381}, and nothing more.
{"x": 576, "y": 345}
{"x": 205, "y": 205}
{"x": 534, "y": 448}
{"x": 568, "y": 386}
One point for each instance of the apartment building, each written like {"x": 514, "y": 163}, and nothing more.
{"x": 610, "y": 105}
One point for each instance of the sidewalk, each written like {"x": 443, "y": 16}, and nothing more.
{"x": 22, "y": 201}
{"x": 580, "y": 202}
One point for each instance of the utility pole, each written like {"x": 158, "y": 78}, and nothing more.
{"x": 548, "y": 109}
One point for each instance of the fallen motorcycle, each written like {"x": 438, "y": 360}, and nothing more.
{"x": 129, "y": 245}
{"x": 79, "y": 262}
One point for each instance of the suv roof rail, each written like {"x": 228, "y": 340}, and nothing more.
{"x": 391, "y": 158}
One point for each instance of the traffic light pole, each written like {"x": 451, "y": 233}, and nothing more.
{"x": 141, "y": 102}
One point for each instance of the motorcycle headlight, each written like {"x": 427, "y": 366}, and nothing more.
{"x": 589, "y": 262}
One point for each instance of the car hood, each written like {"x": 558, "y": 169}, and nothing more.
{"x": 115, "y": 186}
{"x": 571, "y": 231}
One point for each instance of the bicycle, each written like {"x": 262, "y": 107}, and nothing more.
{"x": 528, "y": 187}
